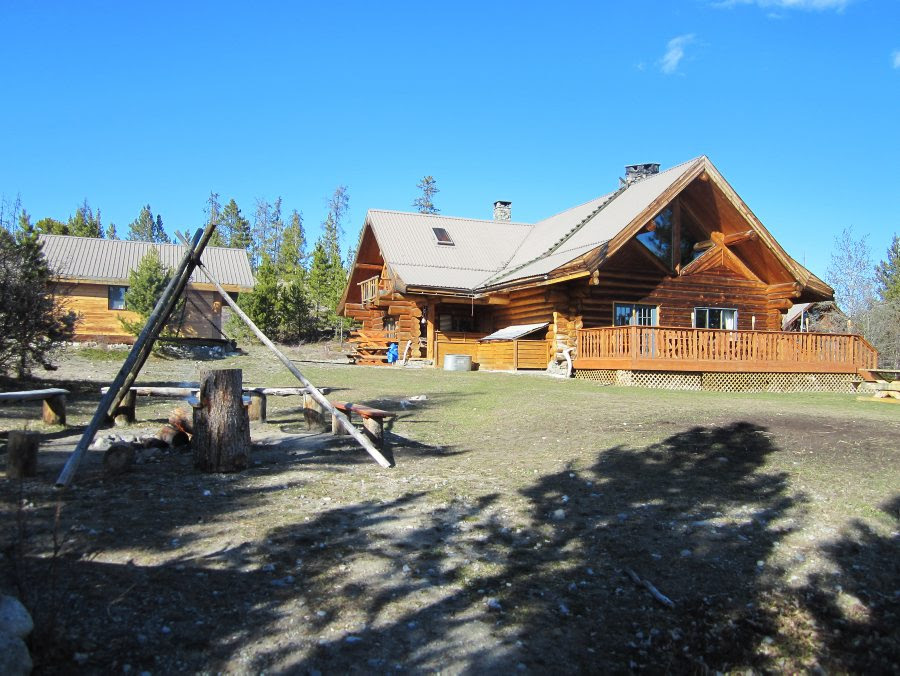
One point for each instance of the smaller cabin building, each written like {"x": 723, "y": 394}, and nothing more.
{"x": 91, "y": 277}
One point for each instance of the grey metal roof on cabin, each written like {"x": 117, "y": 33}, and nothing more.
{"x": 111, "y": 260}
{"x": 615, "y": 212}
{"x": 480, "y": 247}
{"x": 515, "y": 331}
{"x": 488, "y": 253}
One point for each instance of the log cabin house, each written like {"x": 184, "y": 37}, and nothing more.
{"x": 669, "y": 281}
{"x": 92, "y": 277}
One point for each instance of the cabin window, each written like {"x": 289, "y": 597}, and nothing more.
{"x": 715, "y": 318}
{"x": 389, "y": 325}
{"x": 452, "y": 322}
{"x": 632, "y": 314}
{"x": 116, "y": 297}
{"x": 442, "y": 236}
{"x": 657, "y": 236}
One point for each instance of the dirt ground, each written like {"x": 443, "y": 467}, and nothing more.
{"x": 501, "y": 541}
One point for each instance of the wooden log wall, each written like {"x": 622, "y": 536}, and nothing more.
{"x": 98, "y": 322}
{"x": 540, "y": 304}
{"x": 626, "y": 280}
{"x": 406, "y": 313}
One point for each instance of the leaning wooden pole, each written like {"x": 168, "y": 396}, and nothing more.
{"x": 138, "y": 355}
{"x": 316, "y": 394}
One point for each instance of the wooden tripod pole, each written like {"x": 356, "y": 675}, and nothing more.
{"x": 316, "y": 394}
{"x": 138, "y": 355}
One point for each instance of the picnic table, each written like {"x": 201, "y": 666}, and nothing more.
{"x": 886, "y": 381}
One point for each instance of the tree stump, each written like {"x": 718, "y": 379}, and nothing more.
{"x": 221, "y": 441}
{"x": 21, "y": 454}
{"x": 118, "y": 459}
{"x": 257, "y": 410}
{"x": 53, "y": 411}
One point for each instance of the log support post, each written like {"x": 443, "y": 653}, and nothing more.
{"x": 313, "y": 413}
{"x": 336, "y": 428}
{"x": 21, "y": 454}
{"x": 54, "y": 410}
{"x": 257, "y": 408}
{"x": 374, "y": 429}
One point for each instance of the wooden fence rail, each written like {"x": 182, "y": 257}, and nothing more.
{"x": 662, "y": 348}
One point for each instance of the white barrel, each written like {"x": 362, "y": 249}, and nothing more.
{"x": 457, "y": 362}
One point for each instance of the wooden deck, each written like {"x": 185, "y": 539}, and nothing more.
{"x": 657, "y": 348}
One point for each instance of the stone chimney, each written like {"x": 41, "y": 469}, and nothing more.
{"x": 638, "y": 172}
{"x": 503, "y": 210}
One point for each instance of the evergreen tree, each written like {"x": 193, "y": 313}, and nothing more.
{"x": 50, "y": 226}
{"x": 327, "y": 275}
{"x": 292, "y": 252}
{"x": 84, "y": 223}
{"x": 32, "y": 320}
{"x": 261, "y": 304}
{"x": 292, "y": 307}
{"x": 259, "y": 243}
{"x": 424, "y": 204}
{"x": 235, "y": 227}
{"x": 146, "y": 284}
{"x": 318, "y": 282}
{"x": 213, "y": 212}
{"x": 887, "y": 273}
{"x": 146, "y": 228}
{"x": 111, "y": 231}
{"x": 276, "y": 231}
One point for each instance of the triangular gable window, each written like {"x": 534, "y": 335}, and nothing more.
{"x": 442, "y": 236}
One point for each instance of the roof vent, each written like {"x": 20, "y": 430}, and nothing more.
{"x": 503, "y": 210}
{"x": 638, "y": 172}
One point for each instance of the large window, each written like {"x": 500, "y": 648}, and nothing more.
{"x": 715, "y": 318}
{"x": 116, "y": 297}
{"x": 625, "y": 314}
{"x": 657, "y": 236}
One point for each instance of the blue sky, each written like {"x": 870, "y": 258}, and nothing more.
{"x": 797, "y": 102}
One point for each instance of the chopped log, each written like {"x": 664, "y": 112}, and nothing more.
{"x": 54, "y": 410}
{"x": 118, "y": 459}
{"x": 172, "y": 436}
{"x": 124, "y": 414}
{"x": 257, "y": 410}
{"x": 183, "y": 419}
{"x": 221, "y": 441}
{"x": 21, "y": 454}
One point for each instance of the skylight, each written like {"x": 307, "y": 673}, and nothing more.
{"x": 442, "y": 236}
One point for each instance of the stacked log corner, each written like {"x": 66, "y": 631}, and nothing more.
{"x": 21, "y": 454}
{"x": 221, "y": 441}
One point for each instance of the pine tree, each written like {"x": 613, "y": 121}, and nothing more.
{"x": 292, "y": 253}
{"x": 84, "y": 223}
{"x": 111, "y": 231}
{"x": 146, "y": 284}
{"x": 424, "y": 204}
{"x": 146, "y": 228}
{"x": 213, "y": 212}
{"x": 887, "y": 273}
{"x": 261, "y": 304}
{"x": 50, "y": 226}
{"x": 318, "y": 282}
{"x": 293, "y": 307}
{"x": 259, "y": 243}
{"x": 32, "y": 320}
{"x": 235, "y": 227}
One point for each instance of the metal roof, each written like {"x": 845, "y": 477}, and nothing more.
{"x": 111, "y": 260}
{"x": 516, "y": 331}
{"x": 487, "y": 252}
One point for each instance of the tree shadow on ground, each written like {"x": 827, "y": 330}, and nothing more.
{"x": 424, "y": 581}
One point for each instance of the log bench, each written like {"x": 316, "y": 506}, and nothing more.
{"x": 53, "y": 411}
{"x": 373, "y": 420}
{"x": 125, "y": 413}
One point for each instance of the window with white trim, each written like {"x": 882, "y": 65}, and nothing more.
{"x": 633, "y": 314}
{"x": 715, "y": 318}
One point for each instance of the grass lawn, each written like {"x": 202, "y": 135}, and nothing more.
{"x": 501, "y": 541}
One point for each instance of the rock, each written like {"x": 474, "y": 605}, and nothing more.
{"x": 493, "y": 604}
{"x": 14, "y": 657}
{"x": 14, "y": 618}
{"x": 559, "y": 514}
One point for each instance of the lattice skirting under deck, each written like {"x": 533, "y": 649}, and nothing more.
{"x": 723, "y": 382}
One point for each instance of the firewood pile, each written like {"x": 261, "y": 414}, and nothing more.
{"x": 121, "y": 452}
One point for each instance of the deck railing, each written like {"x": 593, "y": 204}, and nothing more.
{"x": 368, "y": 289}
{"x": 656, "y": 347}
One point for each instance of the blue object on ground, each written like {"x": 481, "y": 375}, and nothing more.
{"x": 392, "y": 353}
